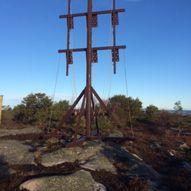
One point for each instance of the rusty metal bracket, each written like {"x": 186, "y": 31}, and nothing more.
{"x": 94, "y": 56}
{"x": 115, "y": 54}
{"x": 115, "y": 18}
{"x": 94, "y": 20}
{"x": 70, "y": 22}
{"x": 69, "y": 57}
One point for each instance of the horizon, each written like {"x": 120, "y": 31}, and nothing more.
{"x": 57, "y": 99}
{"x": 157, "y": 34}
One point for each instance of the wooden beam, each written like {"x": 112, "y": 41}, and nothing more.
{"x": 94, "y": 13}
{"x": 95, "y": 48}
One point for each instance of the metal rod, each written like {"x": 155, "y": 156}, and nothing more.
{"x": 114, "y": 36}
{"x": 100, "y": 100}
{"x": 73, "y": 50}
{"x": 71, "y": 109}
{"x": 94, "y": 115}
{"x": 95, "y": 48}
{"x": 68, "y": 35}
{"x": 109, "y": 47}
{"x": 89, "y": 69}
{"x": 113, "y": 117}
{"x": 79, "y": 117}
{"x": 93, "y": 108}
{"x": 94, "y": 13}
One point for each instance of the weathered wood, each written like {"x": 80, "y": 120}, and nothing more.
{"x": 94, "y": 13}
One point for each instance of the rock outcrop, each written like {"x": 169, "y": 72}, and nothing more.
{"x": 79, "y": 181}
{"x": 15, "y": 152}
{"x": 69, "y": 169}
{"x": 13, "y": 132}
{"x": 89, "y": 156}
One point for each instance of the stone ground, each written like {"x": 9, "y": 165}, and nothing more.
{"x": 12, "y": 132}
{"x": 29, "y": 164}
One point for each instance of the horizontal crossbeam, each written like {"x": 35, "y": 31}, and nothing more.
{"x": 93, "y": 13}
{"x": 95, "y": 48}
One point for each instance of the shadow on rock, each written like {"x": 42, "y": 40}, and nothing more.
{"x": 4, "y": 169}
{"x": 132, "y": 169}
{"x": 127, "y": 163}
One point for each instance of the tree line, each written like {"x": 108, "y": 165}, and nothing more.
{"x": 39, "y": 109}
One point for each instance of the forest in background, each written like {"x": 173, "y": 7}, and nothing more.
{"x": 39, "y": 109}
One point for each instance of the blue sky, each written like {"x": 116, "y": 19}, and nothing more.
{"x": 158, "y": 57}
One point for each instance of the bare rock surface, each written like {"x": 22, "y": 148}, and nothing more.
{"x": 9, "y": 132}
{"x": 89, "y": 156}
{"x": 15, "y": 152}
{"x": 97, "y": 155}
{"x": 109, "y": 153}
{"x": 79, "y": 181}
{"x": 93, "y": 157}
{"x": 131, "y": 164}
{"x": 63, "y": 155}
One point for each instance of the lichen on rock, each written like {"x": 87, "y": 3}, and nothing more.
{"x": 79, "y": 181}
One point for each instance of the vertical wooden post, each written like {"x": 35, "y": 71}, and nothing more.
{"x": 114, "y": 33}
{"x": 89, "y": 69}
{"x": 1, "y": 104}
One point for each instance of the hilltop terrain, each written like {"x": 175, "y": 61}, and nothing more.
{"x": 152, "y": 151}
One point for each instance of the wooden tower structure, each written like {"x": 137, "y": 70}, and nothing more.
{"x": 88, "y": 94}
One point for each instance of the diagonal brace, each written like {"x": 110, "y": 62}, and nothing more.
{"x": 69, "y": 112}
{"x": 113, "y": 117}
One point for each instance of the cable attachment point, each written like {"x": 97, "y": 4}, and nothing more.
{"x": 69, "y": 57}
{"x": 115, "y": 54}
{"x": 94, "y": 20}
{"x": 94, "y": 56}
{"x": 115, "y": 18}
{"x": 70, "y": 22}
